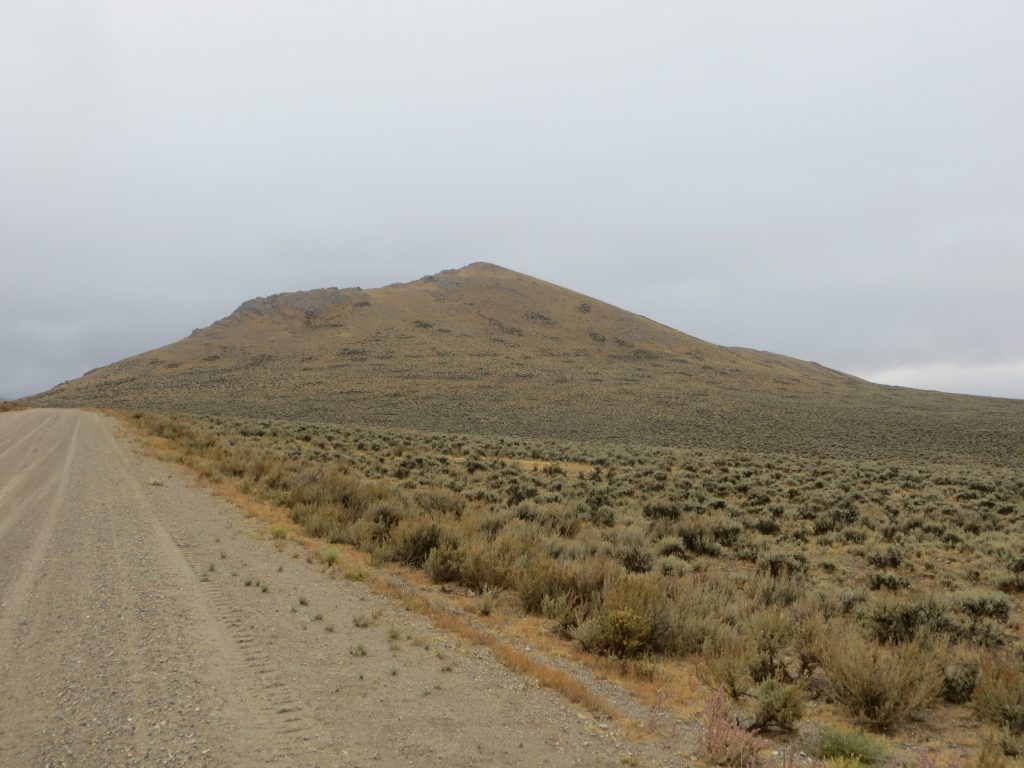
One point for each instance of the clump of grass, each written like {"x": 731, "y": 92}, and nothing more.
{"x": 843, "y": 743}
{"x": 355, "y": 574}
{"x": 279, "y": 532}
{"x": 329, "y": 555}
{"x": 486, "y": 601}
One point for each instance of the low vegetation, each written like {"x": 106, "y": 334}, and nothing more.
{"x": 762, "y": 568}
{"x": 485, "y": 350}
{"x": 846, "y": 744}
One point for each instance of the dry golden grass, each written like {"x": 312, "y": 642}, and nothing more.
{"x": 512, "y": 657}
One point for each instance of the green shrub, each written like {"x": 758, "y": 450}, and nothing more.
{"x": 603, "y": 516}
{"x": 960, "y": 675}
{"x": 843, "y": 743}
{"x": 889, "y": 557}
{"x": 770, "y": 632}
{"x": 783, "y": 590}
{"x": 411, "y": 541}
{"x": 380, "y": 518}
{"x": 319, "y": 521}
{"x": 898, "y": 619}
{"x": 618, "y": 632}
{"x": 671, "y": 545}
{"x": 534, "y": 581}
{"x": 444, "y": 563}
{"x": 1013, "y": 583}
{"x": 500, "y": 562}
{"x": 441, "y": 501}
{"x": 885, "y": 580}
{"x": 552, "y": 517}
{"x": 779, "y": 705}
{"x": 634, "y": 552}
{"x": 656, "y": 600}
{"x": 994, "y": 605}
{"x": 779, "y": 563}
{"x": 661, "y": 509}
{"x": 698, "y": 536}
{"x": 329, "y": 555}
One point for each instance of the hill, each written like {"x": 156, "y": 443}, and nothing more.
{"x": 487, "y": 350}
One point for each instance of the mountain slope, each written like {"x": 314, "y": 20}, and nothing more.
{"x": 486, "y": 349}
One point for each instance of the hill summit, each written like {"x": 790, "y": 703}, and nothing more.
{"x": 485, "y": 349}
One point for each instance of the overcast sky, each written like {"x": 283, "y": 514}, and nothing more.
{"x": 836, "y": 180}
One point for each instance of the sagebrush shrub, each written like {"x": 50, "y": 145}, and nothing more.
{"x": 726, "y": 663}
{"x": 661, "y": 509}
{"x": 994, "y": 605}
{"x": 999, "y": 692}
{"x": 880, "y": 686}
{"x": 617, "y": 632}
{"x": 894, "y": 619}
{"x": 411, "y": 541}
{"x": 441, "y": 501}
{"x": 779, "y": 705}
{"x": 444, "y": 563}
{"x": 960, "y": 675}
{"x": 634, "y": 552}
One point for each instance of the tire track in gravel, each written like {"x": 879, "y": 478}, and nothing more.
{"x": 13, "y": 599}
{"x": 16, "y": 441}
{"x": 273, "y": 708}
{"x": 31, "y": 473}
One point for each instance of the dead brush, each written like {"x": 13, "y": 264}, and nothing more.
{"x": 726, "y": 663}
{"x": 722, "y": 740}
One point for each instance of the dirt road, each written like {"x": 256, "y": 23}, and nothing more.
{"x": 129, "y": 636}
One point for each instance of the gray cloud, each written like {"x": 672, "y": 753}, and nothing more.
{"x": 841, "y": 182}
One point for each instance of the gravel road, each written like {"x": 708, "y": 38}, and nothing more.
{"x": 129, "y": 637}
